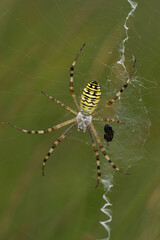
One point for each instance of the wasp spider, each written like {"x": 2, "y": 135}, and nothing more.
{"x": 83, "y": 118}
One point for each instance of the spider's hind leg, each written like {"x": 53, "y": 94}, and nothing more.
{"x": 60, "y": 103}
{"x": 71, "y": 77}
{"x": 120, "y": 91}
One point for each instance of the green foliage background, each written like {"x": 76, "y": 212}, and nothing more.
{"x": 38, "y": 42}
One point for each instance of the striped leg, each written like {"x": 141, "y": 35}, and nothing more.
{"x": 107, "y": 120}
{"x": 54, "y": 145}
{"x": 71, "y": 77}
{"x": 60, "y": 103}
{"x": 47, "y": 130}
{"x": 119, "y": 93}
{"x": 104, "y": 151}
{"x": 96, "y": 154}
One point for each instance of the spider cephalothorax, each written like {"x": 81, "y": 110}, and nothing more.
{"x": 83, "y": 121}
{"x": 84, "y": 117}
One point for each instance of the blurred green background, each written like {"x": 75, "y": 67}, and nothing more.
{"x": 38, "y": 42}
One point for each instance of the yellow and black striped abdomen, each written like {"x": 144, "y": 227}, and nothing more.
{"x": 90, "y": 97}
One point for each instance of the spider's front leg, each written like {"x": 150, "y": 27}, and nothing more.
{"x": 96, "y": 154}
{"x": 107, "y": 120}
{"x": 55, "y": 144}
{"x": 44, "y": 131}
{"x": 104, "y": 151}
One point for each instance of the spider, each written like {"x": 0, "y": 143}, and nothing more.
{"x": 84, "y": 117}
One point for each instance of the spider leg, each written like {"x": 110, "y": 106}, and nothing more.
{"x": 47, "y": 130}
{"x": 54, "y": 145}
{"x": 71, "y": 77}
{"x": 107, "y": 120}
{"x": 119, "y": 93}
{"x": 60, "y": 103}
{"x": 104, "y": 151}
{"x": 96, "y": 154}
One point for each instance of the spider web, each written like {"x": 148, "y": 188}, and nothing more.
{"x": 130, "y": 108}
